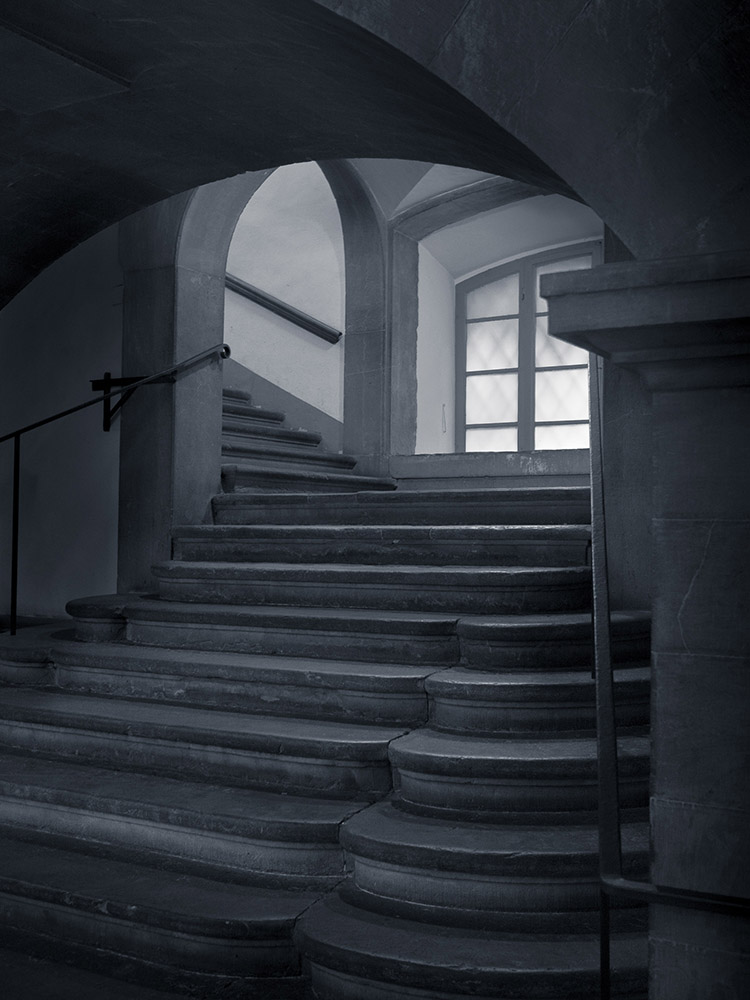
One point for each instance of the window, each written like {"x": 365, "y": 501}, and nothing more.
{"x": 517, "y": 388}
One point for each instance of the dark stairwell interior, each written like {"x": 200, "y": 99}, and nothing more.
{"x": 346, "y": 749}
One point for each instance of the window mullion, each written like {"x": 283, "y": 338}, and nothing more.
{"x": 526, "y": 359}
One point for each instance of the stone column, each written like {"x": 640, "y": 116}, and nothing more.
{"x": 171, "y": 434}
{"x": 684, "y": 326}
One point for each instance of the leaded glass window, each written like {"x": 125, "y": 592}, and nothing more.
{"x": 518, "y": 389}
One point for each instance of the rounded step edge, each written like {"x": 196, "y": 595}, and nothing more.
{"x": 26, "y": 658}
{"x": 525, "y": 703}
{"x": 353, "y": 954}
{"x": 99, "y": 618}
{"x": 549, "y": 642}
{"x": 441, "y": 774}
{"x": 519, "y": 879}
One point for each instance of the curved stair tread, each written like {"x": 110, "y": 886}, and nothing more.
{"x": 152, "y": 720}
{"x": 462, "y": 962}
{"x": 487, "y": 757}
{"x": 386, "y": 833}
{"x": 551, "y": 627}
{"x": 508, "y": 685}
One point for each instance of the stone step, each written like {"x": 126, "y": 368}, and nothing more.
{"x": 245, "y": 427}
{"x": 513, "y": 878}
{"x": 516, "y": 545}
{"x": 330, "y": 689}
{"x": 230, "y": 833}
{"x": 353, "y": 954}
{"x": 25, "y": 658}
{"x": 529, "y": 780}
{"x": 28, "y": 978}
{"x": 251, "y": 414}
{"x": 250, "y": 477}
{"x": 241, "y": 447}
{"x": 533, "y": 505}
{"x": 463, "y": 589}
{"x": 228, "y": 393}
{"x": 327, "y": 633}
{"x": 301, "y": 756}
{"x": 160, "y": 928}
{"x": 549, "y": 642}
{"x": 479, "y": 702}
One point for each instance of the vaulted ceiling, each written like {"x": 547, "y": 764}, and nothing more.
{"x": 109, "y": 105}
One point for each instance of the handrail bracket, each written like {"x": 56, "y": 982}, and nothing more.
{"x": 106, "y": 383}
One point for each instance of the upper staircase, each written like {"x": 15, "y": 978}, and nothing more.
{"x": 346, "y": 750}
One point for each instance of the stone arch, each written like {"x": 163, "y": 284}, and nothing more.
{"x": 174, "y": 262}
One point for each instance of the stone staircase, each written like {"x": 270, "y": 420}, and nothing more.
{"x": 346, "y": 752}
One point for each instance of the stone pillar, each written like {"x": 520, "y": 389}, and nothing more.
{"x": 684, "y": 326}
{"x": 171, "y": 434}
{"x": 367, "y": 394}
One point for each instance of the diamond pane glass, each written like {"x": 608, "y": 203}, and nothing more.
{"x": 492, "y": 345}
{"x": 562, "y": 395}
{"x": 561, "y": 436}
{"x": 492, "y": 439}
{"x": 491, "y": 399}
{"x": 498, "y": 298}
{"x": 555, "y": 352}
{"x": 572, "y": 264}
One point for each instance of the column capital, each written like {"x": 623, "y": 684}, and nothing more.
{"x": 682, "y": 323}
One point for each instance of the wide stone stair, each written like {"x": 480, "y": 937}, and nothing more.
{"x": 346, "y": 750}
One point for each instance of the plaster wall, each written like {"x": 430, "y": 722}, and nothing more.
{"x": 289, "y": 242}
{"x": 511, "y": 231}
{"x": 436, "y": 384}
{"x": 62, "y": 330}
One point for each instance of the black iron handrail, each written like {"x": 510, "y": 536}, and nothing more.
{"x": 611, "y": 879}
{"x": 283, "y": 309}
{"x": 220, "y": 350}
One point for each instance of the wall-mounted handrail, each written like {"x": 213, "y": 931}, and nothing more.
{"x": 611, "y": 879}
{"x": 220, "y": 350}
{"x": 283, "y": 309}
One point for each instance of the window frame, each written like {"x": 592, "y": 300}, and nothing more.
{"x": 526, "y": 370}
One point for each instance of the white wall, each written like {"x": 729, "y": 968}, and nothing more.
{"x": 436, "y": 385}
{"x": 289, "y": 243}
{"x": 60, "y": 331}
{"x": 506, "y": 233}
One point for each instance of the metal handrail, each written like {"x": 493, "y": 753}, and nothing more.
{"x": 611, "y": 879}
{"x": 283, "y": 309}
{"x": 222, "y": 350}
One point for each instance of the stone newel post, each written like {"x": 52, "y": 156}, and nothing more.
{"x": 684, "y": 326}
